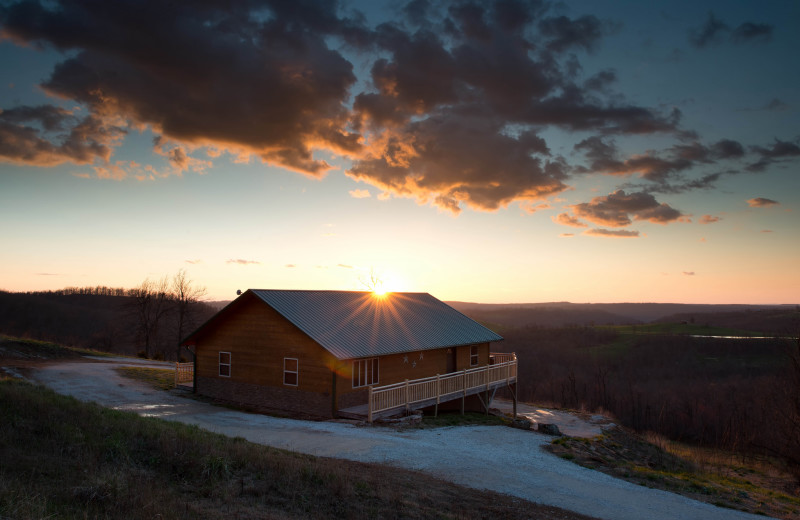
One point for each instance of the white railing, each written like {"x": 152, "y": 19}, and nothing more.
{"x": 408, "y": 393}
{"x": 184, "y": 373}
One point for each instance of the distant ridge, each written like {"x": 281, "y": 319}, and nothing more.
{"x": 554, "y": 314}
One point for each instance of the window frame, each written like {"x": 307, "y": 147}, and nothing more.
{"x": 474, "y": 355}
{"x": 228, "y": 364}
{"x": 295, "y": 372}
{"x": 366, "y": 372}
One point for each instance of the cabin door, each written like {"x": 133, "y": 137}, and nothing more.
{"x": 451, "y": 360}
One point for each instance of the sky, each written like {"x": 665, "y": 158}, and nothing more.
{"x": 494, "y": 151}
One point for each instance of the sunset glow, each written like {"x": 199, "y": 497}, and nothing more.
{"x": 577, "y": 152}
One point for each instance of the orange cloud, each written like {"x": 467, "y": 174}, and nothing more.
{"x": 360, "y": 194}
{"x": 761, "y": 202}
{"x": 608, "y": 233}
{"x": 709, "y": 219}
{"x": 566, "y": 219}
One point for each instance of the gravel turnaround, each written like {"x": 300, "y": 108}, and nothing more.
{"x": 501, "y": 459}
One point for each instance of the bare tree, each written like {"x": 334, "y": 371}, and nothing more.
{"x": 149, "y": 305}
{"x": 374, "y": 283}
{"x": 185, "y": 294}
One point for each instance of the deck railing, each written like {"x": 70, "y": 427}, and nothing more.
{"x": 464, "y": 382}
{"x": 184, "y": 373}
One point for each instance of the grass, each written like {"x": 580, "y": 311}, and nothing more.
{"x": 25, "y": 348}
{"x": 713, "y": 476}
{"x": 159, "y": 378}
{"x": 62, "y": 458}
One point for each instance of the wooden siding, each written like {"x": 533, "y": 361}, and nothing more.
{"x": 259, "y": 339}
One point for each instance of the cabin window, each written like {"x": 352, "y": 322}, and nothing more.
{"x": 225, "y": 364}
{"x": 473, "y": 356}
{"x": 366, "y": 372}
{"x": 291, "y": 371}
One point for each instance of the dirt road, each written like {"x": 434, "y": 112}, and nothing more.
{"x": 500, "y": 459}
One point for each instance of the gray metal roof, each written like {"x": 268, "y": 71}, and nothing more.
{"x": 352, "y": 324}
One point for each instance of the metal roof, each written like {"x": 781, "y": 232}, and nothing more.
{"x": 351, "y": 324}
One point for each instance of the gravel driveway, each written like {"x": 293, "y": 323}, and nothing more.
{"x": 500, "y": 459}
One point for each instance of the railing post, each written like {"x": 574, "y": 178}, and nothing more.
{"x": 177, "y": 369}
{"x": 369, "y": 406}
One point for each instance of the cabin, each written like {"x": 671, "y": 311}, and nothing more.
{"x": 347, "y": 354}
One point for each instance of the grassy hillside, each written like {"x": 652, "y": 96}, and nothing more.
{"x": 63, "y": 458}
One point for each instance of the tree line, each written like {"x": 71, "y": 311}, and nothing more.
{"x": 149, "y": 320}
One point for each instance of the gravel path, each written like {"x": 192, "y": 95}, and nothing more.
{"x": 500, "y": 459}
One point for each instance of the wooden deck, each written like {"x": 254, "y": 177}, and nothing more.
{"x": 415, "y": 394}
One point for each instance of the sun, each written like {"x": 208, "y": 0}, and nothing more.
{"x": 379, "y": 291}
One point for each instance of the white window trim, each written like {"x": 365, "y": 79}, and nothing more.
{"x": 228, "y": 364}
{"x": 476, "y": 356}
{"x": 371, "y": 377}
{"x": 295, "y": 372}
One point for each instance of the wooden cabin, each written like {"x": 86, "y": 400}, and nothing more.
{"x": 323, "y": 353}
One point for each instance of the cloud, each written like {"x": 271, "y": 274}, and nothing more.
{"x": 714, "y": 30}
{"x": 766, "y": 231}
{"x": 290, "y": 265}
{"x": 261, "y": 79}
{"x": 620, "y": 209}
{"x": 608, "y": 233}
{"x": 242, "y": 261}
{"x": 344, "y": 266}
{"x": 194, "y": 262}
{"x": 709, "y": 219}
{"x": 761, "y": 202}
{"x": 48, "y": 274}
{"x": 688, "y": 273}
{"x": 752, "y": 32}
{"x": 454, "y": 108}
{"x": 47, "y": 135}
{"x": 566, "y": 235}
{"x": 360, "y": 194}
{"x": 565, "y": 219}
{"x": 711, "y": 32}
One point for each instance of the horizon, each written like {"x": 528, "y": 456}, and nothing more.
{"x": 503, "y": 151}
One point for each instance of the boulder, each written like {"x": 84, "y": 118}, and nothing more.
{"x": 548, "y": 429}
{"x": 522, "y": 424}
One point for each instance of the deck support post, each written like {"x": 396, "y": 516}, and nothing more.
{"x": 487, "y": 389}
{"x": 369, "y": 406}
{"x": 438, "y": 395}
{"x": 407, "y": 399}
{"x": 464, "y": 394}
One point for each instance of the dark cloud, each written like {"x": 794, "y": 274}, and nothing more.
{"x": 776, "y": 104}
{"x": 761, "y": 202}
{"x": 48, "y": 136}
{"x": 611, "y": 233}
{"x": 452, "y": 113}
{"x": 752, "y": 32}
{"x": 713, "y": 31}
{"x": 710, "y": 32}
{"x": 259, "y": 80}
{"x": 620, "y": 209}
{"x": 776, "y": 153}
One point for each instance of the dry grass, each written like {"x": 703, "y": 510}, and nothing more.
{"x": 159, "y": 378}
{"x": 753, "y": 485}
{"x": 63, "y": 458}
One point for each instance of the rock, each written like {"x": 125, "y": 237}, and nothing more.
{"x": 522, "y": 424}
{"x": 549, "y": 429}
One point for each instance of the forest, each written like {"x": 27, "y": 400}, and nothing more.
{"x": 735, "y": 393}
